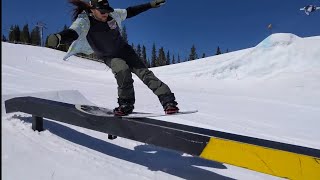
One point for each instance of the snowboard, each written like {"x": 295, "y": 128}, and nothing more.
{"x": 101, "y": 111}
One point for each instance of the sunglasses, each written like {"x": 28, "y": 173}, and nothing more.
{"x": 104, "y": 11}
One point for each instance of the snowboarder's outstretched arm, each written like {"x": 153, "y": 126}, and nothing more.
{"x": 64, "y": 37}
{"x": 135, "y": 10}
{"x": 71, "y": 34}
{"x": 78, "y": 27}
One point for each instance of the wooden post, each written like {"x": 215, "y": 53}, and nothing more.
{"x": 111, "y": 137}
{"x": 37, "y": 123}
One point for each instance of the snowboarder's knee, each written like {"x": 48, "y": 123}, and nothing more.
{"x": 118, "y": 65}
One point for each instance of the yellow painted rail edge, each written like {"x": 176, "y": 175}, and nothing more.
{"x": 266, "y": 160}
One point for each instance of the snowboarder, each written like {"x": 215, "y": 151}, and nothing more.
{"x": 309, "y": 9}
{"x": 97, "y": 28}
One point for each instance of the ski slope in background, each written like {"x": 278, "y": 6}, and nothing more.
{"x": 271, "y": 91}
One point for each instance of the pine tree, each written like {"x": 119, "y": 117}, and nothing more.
{"x": 144, "y": 56}
{"x": 124, "y": 34}
{"x": 168, "y": 60}
{"x": 179, "y": 61}
{"x": 139, "y": 52}
{"x": 35, "y": 36}
{"x": 163, "y": 57}
{"x": 159, "y": 58}
{"x": 46, "y": 42}
{"x": 25, "y": 34}
{"x": 173, "y": 60}
{"x": 153, "y": 56}
{"x": 11, "y": 34}
{"x": 203, "y": 55}
{"x": 134, "y": 48}
{"x": 218, "y": 51}
{"x": 14, "y": 35}
{"x": 3, "y": 39}
{"x": 193, "y": 54}
{"x": 17, "y": 33}
{"x": 161, "y": 61}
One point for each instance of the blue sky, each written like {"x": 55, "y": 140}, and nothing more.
{"x": 179, "y": 24}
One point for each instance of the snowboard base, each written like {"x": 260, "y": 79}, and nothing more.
{"x": 100, "y": 111}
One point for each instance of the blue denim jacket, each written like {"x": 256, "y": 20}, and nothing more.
{"x": 82, "y": 25}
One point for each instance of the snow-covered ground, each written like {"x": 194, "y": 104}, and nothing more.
{"x": 271, "y": 91}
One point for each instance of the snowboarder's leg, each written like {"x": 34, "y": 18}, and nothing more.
{"x": 159, "y": 88}
{"x": 153, "y": 83}
{"x": 124, "y": 79}
{"x": 123, "y": 75}
{"x": 166, "y": 97}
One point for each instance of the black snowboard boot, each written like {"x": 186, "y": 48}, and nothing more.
{"x": 169, "y": 104}
{"x": 125, "y": 107}
{"x": 171, "y": 108}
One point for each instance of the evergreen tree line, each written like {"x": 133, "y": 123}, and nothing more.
{"x": 159, "y": 57}
{"x": 24, "y": 35}
{"x": 162, "y": 57}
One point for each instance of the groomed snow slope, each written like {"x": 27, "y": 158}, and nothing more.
{"x": 270, "y": 91}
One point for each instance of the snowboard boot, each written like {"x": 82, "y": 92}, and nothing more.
{"x": 125, "y": 107}
{"x": 171, "y": 107}
{"x": 169, "y": 104}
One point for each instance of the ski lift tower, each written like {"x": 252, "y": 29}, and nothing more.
{"x": 42, "y": 26}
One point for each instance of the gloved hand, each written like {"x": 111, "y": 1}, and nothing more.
{"x": 157, "y": 3}
{"x": 54, "y": 40}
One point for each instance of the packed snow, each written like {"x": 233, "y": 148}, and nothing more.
{"x": 270, "y": 91}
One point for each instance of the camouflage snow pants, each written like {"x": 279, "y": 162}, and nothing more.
{"x": 128, "y": 63}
